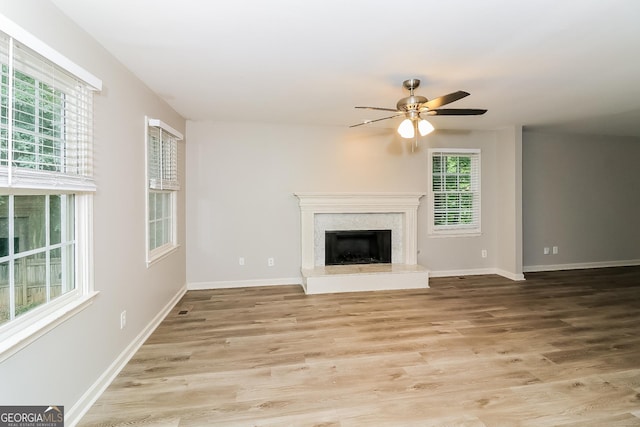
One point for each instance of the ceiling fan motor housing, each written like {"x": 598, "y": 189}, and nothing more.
{"x": 411, "y": 103}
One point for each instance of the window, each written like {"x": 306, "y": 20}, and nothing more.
{"x": 163, "y": 184}
{"x": 39, "y": 266}
{"x": 455, "y": 191}
{"x": 46, "y": 186}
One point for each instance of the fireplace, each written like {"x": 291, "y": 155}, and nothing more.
{"x": 357, "y": 247}
{"x": 358, "y": 217}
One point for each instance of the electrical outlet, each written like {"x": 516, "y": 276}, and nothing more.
{"x": 484, "y": 253}
{"x": 270, "y": 262}
{"x": 546, "y": 251}
{"x": 123, "y": 319}
{"x": 241, "y": 260}
{"x": 554, "y": 250}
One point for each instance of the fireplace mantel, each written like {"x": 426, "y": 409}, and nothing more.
{"x": 405, "y": 274}
{"x": 315, "y": 203}
{"x": 359, "y": 202}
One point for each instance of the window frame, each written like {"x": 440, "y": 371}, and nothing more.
{"x": 461, "y": 230}
{"x": 23, "y": 330}
{"x": 15, "y": 181}
{"x": 155, "y": 183}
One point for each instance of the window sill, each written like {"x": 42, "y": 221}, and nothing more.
{"x": 22, "y": 338}
{"x": 161, "y": 254}
{"x": 447, "y": 234}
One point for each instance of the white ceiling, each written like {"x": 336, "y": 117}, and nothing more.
{"x": 565, "y": 64}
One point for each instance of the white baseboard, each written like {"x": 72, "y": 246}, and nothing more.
{"x": 581, "y": 265}
{"x": 224, "y": 284}
{"x": 512, "y": 276}
{"x": 476, "y": 272}
{"x": 299, "y": 280}
{"x": 77, "y": 411}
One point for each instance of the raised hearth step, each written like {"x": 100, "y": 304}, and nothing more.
{"x": 364, "y": 277}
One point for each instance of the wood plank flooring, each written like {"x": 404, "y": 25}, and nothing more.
{"x": 559, "y": 349}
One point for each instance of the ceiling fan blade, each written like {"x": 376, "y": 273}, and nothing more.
{"x": 379, "y": 108}
{"x": 445, "y": 99}
{"x": 456, "y": 112}
{"x": 366, "y": 122}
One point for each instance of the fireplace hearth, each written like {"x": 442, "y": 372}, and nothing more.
{"x": 357, "y": 247}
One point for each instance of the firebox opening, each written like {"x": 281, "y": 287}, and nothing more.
{"x": 357, "y": 247}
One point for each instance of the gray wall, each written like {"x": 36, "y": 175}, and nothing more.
{"x": 582, "y": 194}
{"x": 66, "y": 362}
{"x": 242, "y": 177}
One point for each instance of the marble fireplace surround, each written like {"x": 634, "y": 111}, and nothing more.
{"x": 360, "y": 211}
{"x": 324, "y": 222}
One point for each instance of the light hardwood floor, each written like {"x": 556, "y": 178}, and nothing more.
{"x": 559, "y": 349}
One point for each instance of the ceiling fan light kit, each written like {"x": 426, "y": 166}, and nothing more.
{"x": 406, "y": 129}
{"x": 413, "y": 105}
{"x": 424, "y": 127}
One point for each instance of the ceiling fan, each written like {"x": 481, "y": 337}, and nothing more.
{"x": 415, "y": 105}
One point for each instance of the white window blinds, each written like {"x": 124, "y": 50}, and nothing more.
{"x": 162, "y": 156}
{"x": 45, "y": 122}
{"x": 455, "y": 194}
